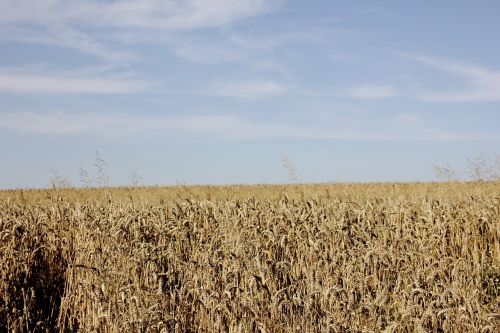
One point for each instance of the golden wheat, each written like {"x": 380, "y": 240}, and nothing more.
{"x": 302, "y": 258}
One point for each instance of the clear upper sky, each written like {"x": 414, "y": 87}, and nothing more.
{"x": 219, "y": 91}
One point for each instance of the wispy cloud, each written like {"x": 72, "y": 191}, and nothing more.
{"x": 65, "y": 123}
{"x": 62, "y": 84}
{"x": 375, "y": 11}
{"x": 90, "y": 26}
{"x": 53, "y": 124}
{"x": 198, "y": 53}
{"x": 372, "y": 91}
{"x": 254, "y": 89}
{"x": 484, "y": 83}
{"x": 65, "y": 37}
{"x": 403, "y": 127}
{"x": 273, "y": 66}
{"x": 160, "y": 14}
{"x": 300, "y": 35}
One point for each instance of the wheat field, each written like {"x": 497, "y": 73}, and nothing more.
{"x": 276, "y": 258}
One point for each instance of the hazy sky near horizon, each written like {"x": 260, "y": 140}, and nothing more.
{"x": 218, "y": 91}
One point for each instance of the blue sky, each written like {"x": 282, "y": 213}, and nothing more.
{"x": 219, "y": 91}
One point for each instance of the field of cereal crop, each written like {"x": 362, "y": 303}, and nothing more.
{"x": 297, "y": 258}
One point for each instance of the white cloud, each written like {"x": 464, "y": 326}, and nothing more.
{"x": 163, "y": 14}
{"x": 303, "y": 35}
{"x": 274, "y": 66}
{"x": 63, "y": 36}
{"x": 200, "y": 13}
{"x": 372, "y": 92}
{"x": 248, "y": 89}
{"x": 89, "y": 25}
{"x": 53, "y": 84}
{"x": 65, "y": 123}
{"x": 54, "y": 124}
{"x": 375, "y": 11}
{"x": 114, "y": 125}
{"x": 205, "y": 54}
{"x": 405, "y": 127}
{"x": 484, "y": 82}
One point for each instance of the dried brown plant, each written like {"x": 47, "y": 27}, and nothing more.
{"x": 299, "y": 258}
